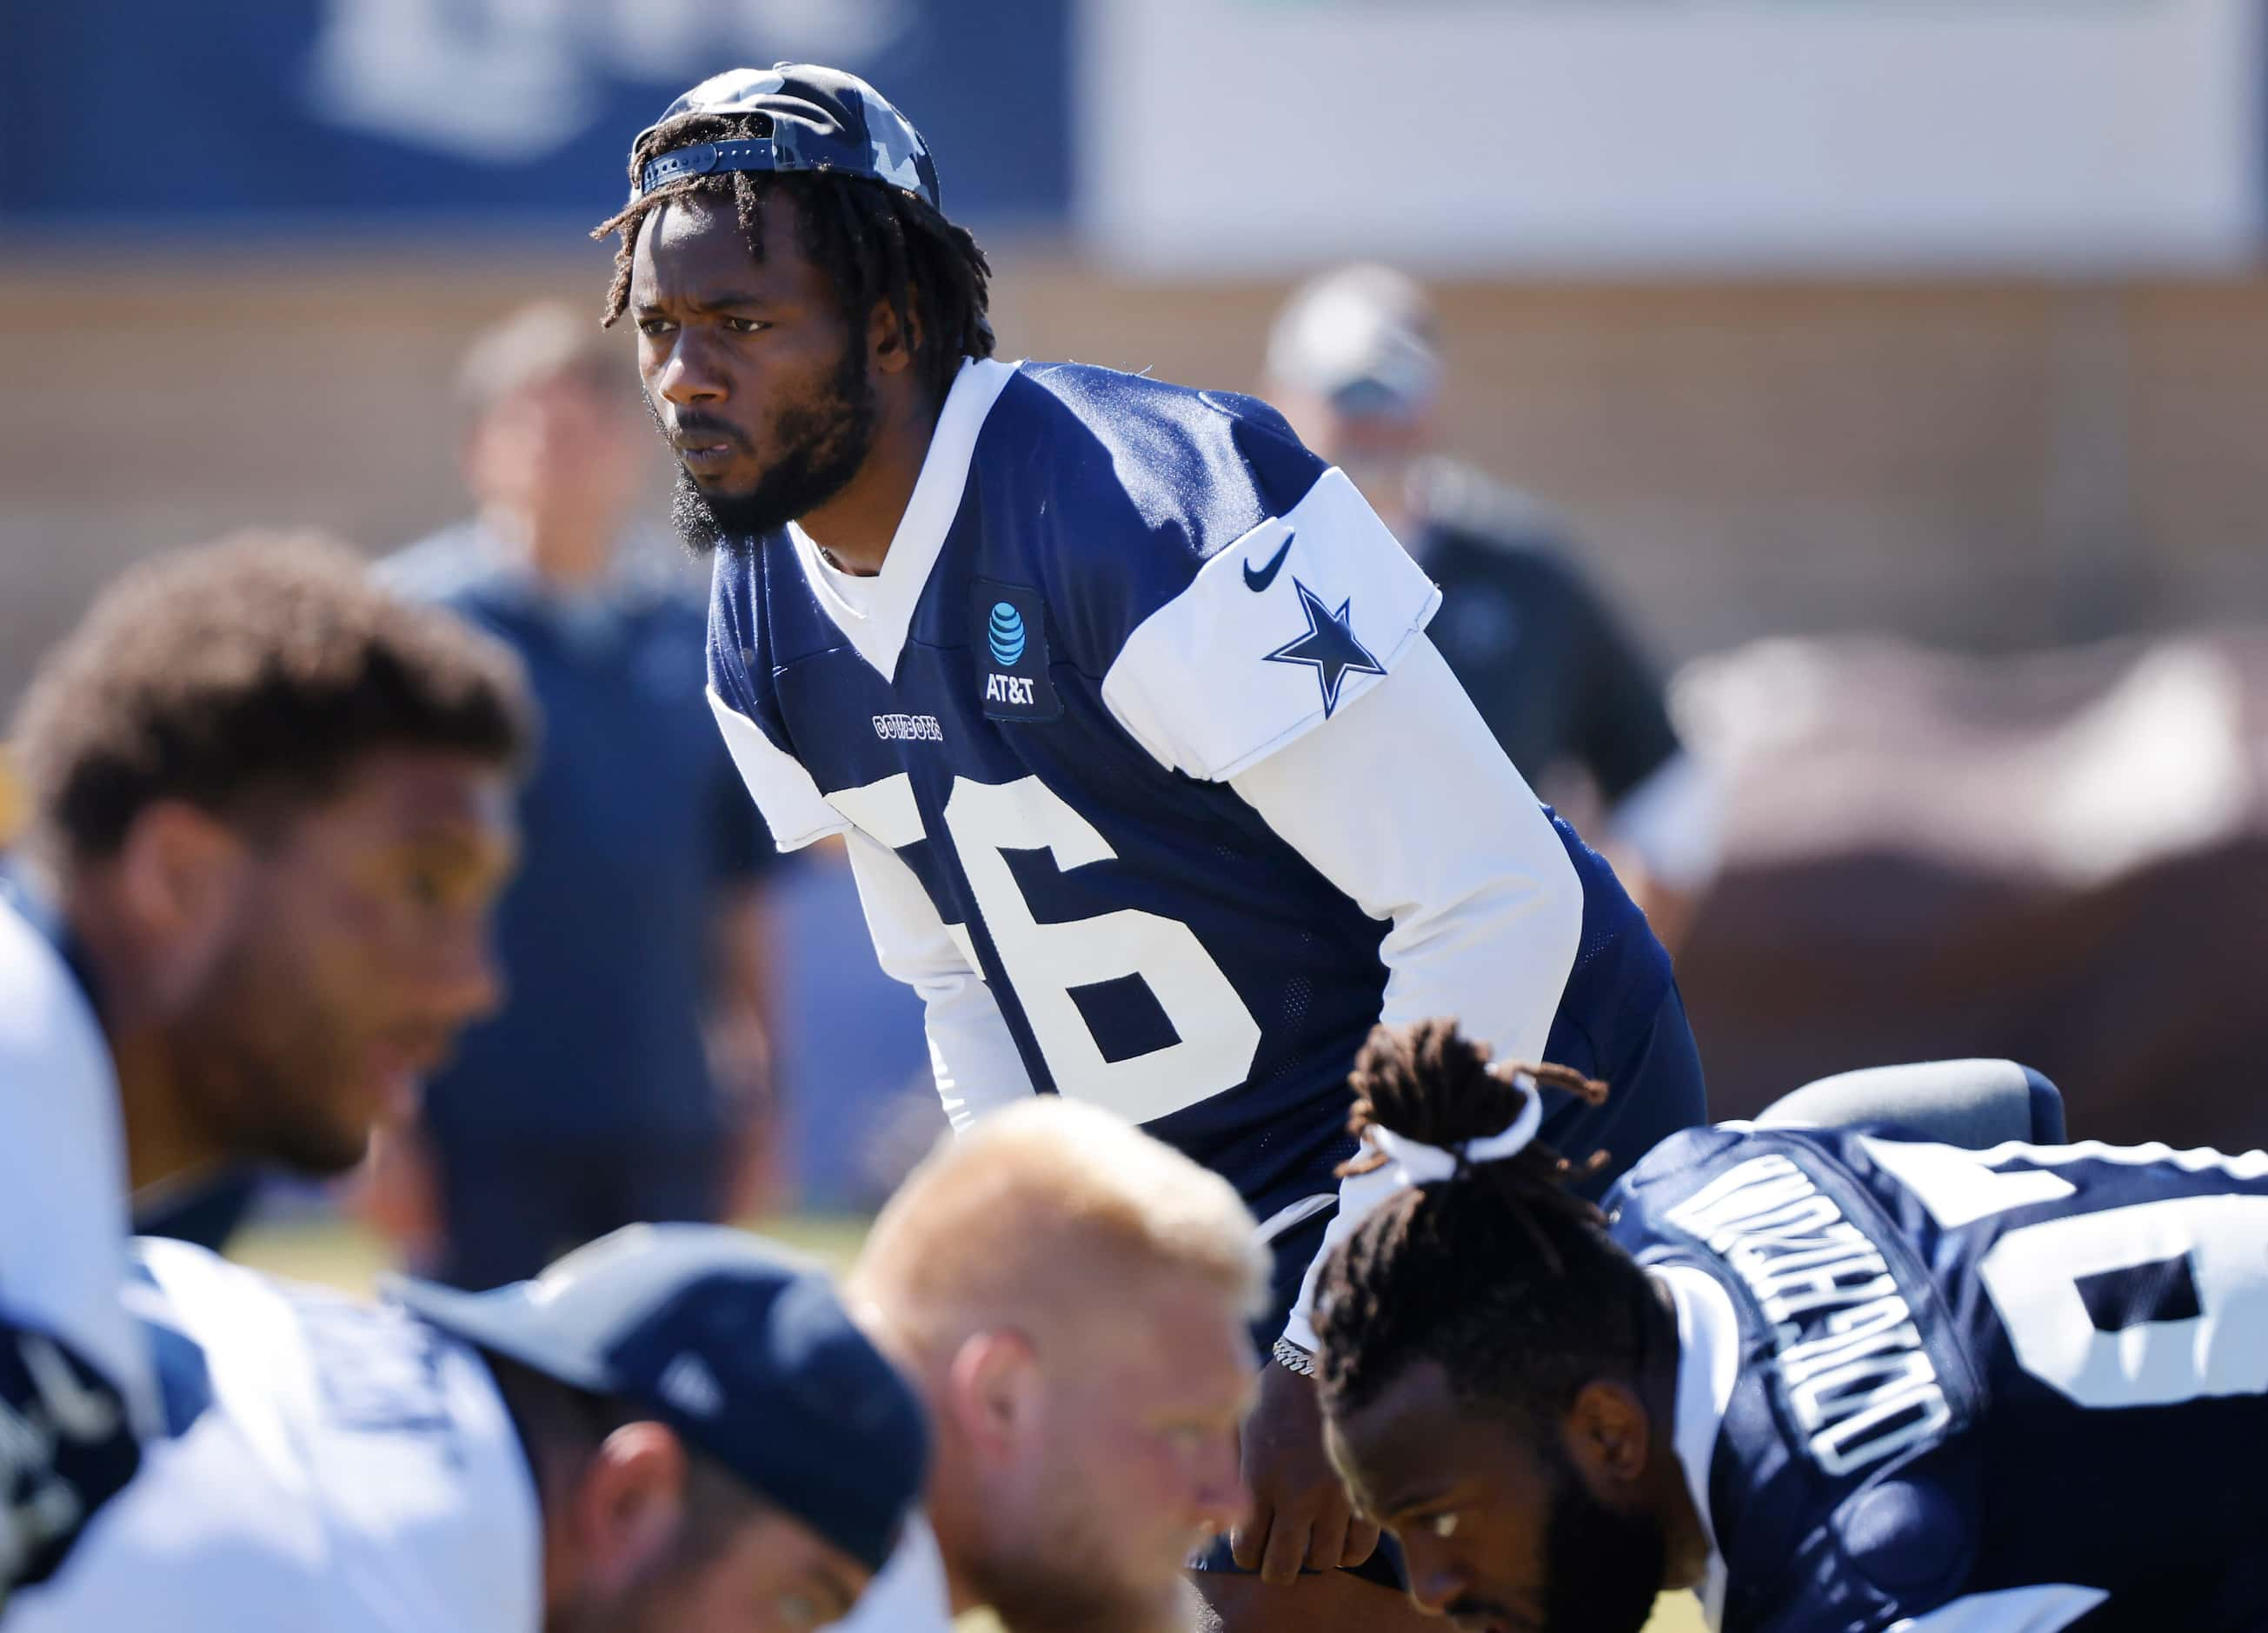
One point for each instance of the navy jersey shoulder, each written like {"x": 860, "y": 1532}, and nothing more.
{"x": 1967, "y": 1373}
{"x": 1151, "y": 480}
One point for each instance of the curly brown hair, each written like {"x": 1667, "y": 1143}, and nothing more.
{"x": 1500, "y": 1274}
{"x": 232, "y": 674}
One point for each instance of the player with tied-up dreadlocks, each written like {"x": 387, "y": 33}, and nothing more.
{"x": 1122, "y": 704}
{"x": 1830, "y": 1379}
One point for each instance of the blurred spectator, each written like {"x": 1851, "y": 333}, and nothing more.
{"x": 1354, "y": 363}
{"x": 626, "y": 1078}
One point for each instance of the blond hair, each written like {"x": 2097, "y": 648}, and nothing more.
{"x": 1043, "y": 1208}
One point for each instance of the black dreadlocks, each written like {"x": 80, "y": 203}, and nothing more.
{"x": 871, "y": 242}
{"x": 1499, "y": 1273}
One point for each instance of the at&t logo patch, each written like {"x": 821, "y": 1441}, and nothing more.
{"x": 1010, "y": 645}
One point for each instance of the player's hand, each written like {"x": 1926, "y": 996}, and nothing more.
{"x": 1301, "y": 1514}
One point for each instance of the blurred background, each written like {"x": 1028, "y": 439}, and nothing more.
{"x": 1894, "y": 373}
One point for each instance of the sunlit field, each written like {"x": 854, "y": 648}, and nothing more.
{"x": 340, "y": 1255}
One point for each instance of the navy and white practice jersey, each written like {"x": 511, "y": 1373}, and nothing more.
{"x": 75, "y": 1386}
{"x": 2018, "y": 1390}
{"x": 1093, "y": 735}
{"x": 327, "y": 1465}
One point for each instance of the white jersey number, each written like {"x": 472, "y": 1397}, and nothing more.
{"x": 2032, "y": 1273}
{"x": 1217, "y": 1037}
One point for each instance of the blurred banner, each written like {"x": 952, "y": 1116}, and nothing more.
{"x": 1262, "y": 136}
{"x": 299, "y": 114}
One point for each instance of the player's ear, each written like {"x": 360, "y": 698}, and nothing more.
{"x": 995, "y": 1392}
{"x": 178, "y": 870}
{"x": 890, "y": 343}
{"x": 629, "y": 1505}
{"x": 1608, "y": 1435}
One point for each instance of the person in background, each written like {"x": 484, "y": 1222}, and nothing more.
{"x": 625, "y": 1077}
{"x": 1354, "y": 364}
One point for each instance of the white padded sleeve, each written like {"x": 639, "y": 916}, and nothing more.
{"x": 1407, "y": 804}
{"x": 970, "y": 1049}
{"x": 63, "y": 1214}
{"x": 796, "y": 813}
{"x": 1195, "y": 684}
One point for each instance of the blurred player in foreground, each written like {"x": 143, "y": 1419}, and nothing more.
{"x": 270, "y": 807}
{"x": 1121, "y": 702}
{"x": 1354, "y": 361}
{"x": 1825, "y": 1379}
{"x": 1070, "y": 1297}
{"x": 672, "y": 1430}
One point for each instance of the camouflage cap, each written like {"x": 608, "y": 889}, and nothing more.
{"x": 809, "y": 118}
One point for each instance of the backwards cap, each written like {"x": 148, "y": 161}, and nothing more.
{"x": 807, "y": 118}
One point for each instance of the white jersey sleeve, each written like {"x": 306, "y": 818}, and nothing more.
{"x": 1276, "y": 633}
{"x": 1447, "y": 843}
{"x": 793, "y": 809}
{"x": 972, "y": 1053}
{"x": 75, "y": 1376}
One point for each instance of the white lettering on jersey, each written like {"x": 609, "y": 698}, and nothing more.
{"x": 1008, "y": 689}
{"x": 909, "y": 728}
{"x": 1858, "y": 1379}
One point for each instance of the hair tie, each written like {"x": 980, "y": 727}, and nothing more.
{"x": 1415, "y": 1162}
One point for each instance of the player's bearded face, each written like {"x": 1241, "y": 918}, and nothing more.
{"x": 343, "y": 964}
{"x": 1136, "y": 1468}
{"x": 1606, "y": 1565}
{"x": 810, "y": 445}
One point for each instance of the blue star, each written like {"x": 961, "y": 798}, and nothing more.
{"x": 1329, "y": 644}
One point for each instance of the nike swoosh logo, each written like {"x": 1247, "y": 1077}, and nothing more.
{"x": 1257, "y": 581}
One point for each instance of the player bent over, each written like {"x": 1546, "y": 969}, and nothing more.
{"x": 1071, "y": 1297}
{"x": 675, "y": 1429}
{"x": 1121, "y": 702}
{"x": 1825, "y": 1377}
{"x": 271, "y": 809}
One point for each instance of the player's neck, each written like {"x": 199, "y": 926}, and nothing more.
{"x": 162, "y": 1143}
{"x": 854, "y": 527}
{"x": 163, "y": 1147}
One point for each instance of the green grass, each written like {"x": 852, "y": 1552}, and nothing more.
{"x": 342, "y": 1254}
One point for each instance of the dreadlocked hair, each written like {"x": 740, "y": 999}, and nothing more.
{"x": 870, "y": 241}
{"x": 1499, "y": 1274}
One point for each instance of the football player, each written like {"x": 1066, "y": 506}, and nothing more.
{"x": 1070, "y": 1297}
{"x": 1121, "y": 703}
{"x": 1826, "y": 1377}
{"x": 270, "y": 806}
{"x": 676, "y": 1428}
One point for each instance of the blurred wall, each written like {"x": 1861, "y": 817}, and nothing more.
{"x": 1980, "y": 464}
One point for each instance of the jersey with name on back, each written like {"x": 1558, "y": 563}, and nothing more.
{"x": 327, "y": 1463}
{"x": 2036, "y": 1373}
{"x": 1141, "y": 590}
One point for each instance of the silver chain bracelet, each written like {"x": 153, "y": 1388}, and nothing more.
{"x": 1291, "y": 1358}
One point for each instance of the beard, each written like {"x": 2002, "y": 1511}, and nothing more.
{"x": 819, "y": 446}
{"x": 1606, "y": 1566}
{"x": 1062, "y": 1578}
{"x": 261, "y": 1068}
